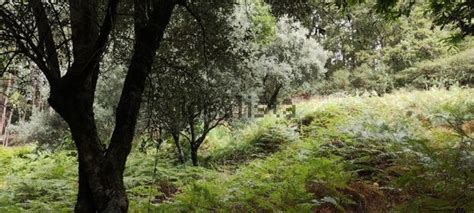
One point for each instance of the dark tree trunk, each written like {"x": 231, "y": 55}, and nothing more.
{"x": 194, "y": 155}
{"x": 100, "y": 184}
{"x": 195, "y": 144}
{"x": 84, "y": 202}
{"x": 179, "y": 149}
{"x": 272, "y": 102}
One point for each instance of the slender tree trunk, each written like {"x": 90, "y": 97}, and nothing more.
{"x": 195, "y": 144}
{"x": 5, "y": 138}
{"x": 194, "y": 155}
{"x": 272, "y": 102}
{"x": 179, "y": 149}
{"x": 4, "y": 112}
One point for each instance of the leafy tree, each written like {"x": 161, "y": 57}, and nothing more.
{"x": 196, "y": 88}
{"x": 454, "y": 14}
{"x": 289, "y": 61}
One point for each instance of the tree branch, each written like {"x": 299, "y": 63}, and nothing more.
{"x": 46, "y": 38}
{"x": 148, "y": 39}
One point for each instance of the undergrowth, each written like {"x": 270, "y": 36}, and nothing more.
{"x": 403, "y": 152}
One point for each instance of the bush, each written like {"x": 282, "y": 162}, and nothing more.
{"x": 444, "y": 72}
{"x": 362, "y": 78}
{"x": 47, "y": 129}
{"x": 366, "y": 78}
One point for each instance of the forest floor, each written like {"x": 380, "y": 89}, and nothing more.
{"x": 406, "y": 151}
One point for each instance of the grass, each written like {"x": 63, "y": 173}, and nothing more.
{"x": 406, "y": 151}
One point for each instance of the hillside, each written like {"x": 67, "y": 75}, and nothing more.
{"x": 406, "y": 150}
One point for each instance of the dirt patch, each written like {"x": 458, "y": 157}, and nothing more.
{"x": 369, "y": 197}
{"x": 168, "y": 191}
{"x": 359, "y": 197}
{"x": 468, "y": 127}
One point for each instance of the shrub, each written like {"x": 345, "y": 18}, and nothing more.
{"x": 443, "y": 72}
{"x": 47, "y": 129}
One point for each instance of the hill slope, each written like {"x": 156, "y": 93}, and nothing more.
{"x": 404, "y": 151}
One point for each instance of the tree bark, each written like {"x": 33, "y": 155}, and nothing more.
{"x": 272, "y": 102}
{"x": 4, "y": 112}
{"x": 5, "y": 138}
{"x": 84, "y": 202}
{"x": 179, "y": 149}
{"x": 195, "y": 144}
{"x": 194, "y": 155}
{"x": 100, "y": 185}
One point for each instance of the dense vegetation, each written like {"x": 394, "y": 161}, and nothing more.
{"x": 403, "y": 151}
{"x": 236, "y": 106}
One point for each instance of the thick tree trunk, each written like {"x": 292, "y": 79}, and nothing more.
{"x": 84, "y": 202}
{"x": 100, "y": 184}
{"x": 179, "y": 149}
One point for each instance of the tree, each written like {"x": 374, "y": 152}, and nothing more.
{"x": 454, "y": 14}
{"x": 196, "y": 88}
{"x": 72, "y": 94}
{"x": 289, "y": 61}
{"x": 194, "y": 105}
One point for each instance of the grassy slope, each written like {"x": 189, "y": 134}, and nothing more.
{"x": 405, "y": 151}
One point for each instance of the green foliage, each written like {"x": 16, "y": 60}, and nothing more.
{"x": 276, "y": 183}
{"x": 47, "y": 182}
{"x": 47, "y": 129}
{"x": 362, "y": 78}
{"x": 456, "y": 69}
{"x": 257, "y": 139}
{"x": 456, "y": 14}
{"x": 379, "y": 53}
{"x": 263, "y": 22}
{"x": 37, "y": 182}
{"x": 406, "y": 151}
{"x": 426, "y": 153}
{"x": 291, "y": 61}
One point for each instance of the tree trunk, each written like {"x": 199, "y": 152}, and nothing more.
{"x": 179, "y": 150}
{"x": 84, "y": 202}
{"x": 102, "y": 170}
{"x": 4, "y": 112}
{"x": 195, "y": 144}
{"x": 194, "y": 155}
{"x": 5, "y": 138}
{"x": 101, "y": 186}
{"x": 272, "y": 102}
